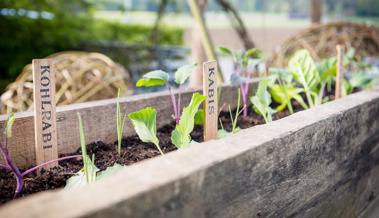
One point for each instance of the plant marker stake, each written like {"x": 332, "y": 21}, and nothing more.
{"x": 45, "y": 126}
{"x": 339, "y": 73}
{"x": 211, "y": 103}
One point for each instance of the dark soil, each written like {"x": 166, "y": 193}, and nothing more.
{"x": 133, "y": 150}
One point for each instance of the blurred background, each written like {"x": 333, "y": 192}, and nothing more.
{"x": 136, "y": 36}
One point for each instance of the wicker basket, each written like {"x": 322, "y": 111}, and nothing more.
{"x": 321, "y": 41}
{"x": 80, "y": 77}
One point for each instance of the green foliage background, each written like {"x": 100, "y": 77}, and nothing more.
{"x": 73, "y": 25}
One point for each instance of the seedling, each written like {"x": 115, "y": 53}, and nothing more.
{"x": 144, "y": 122}
{"x": 10, "y": 164}
{"x": 160, "y": 78}
{"x": 262, "y": 100}
{"x": 89, "y": 173}
{"x": 242, "y": 76}
{"x": 305, "y": 72}
{"x": 222, "y": 132}
{"x": 180, "y": 137}
{"x": 285, "y": 90}
{"x": 120, "y": 123}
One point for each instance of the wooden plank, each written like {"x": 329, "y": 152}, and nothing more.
{"x": 340, "y": 72}
{"x": 45, "y": 121}
{"x": 98, "y": 119}
{"x": 211, "y": 103}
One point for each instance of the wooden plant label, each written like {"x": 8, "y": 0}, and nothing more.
{"x": 339, "y": 73}
{"x": 45, "y": 124}
{"x": 211, "y": 103}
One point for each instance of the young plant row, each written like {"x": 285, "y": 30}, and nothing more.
{"x": 303, "y": 81}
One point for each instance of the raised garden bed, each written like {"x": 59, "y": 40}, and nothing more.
{"x": 319, "y": 162}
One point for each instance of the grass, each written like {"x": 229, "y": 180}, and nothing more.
{"x": 219, "y": 20}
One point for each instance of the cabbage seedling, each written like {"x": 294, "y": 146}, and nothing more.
{"x": 285, "y": 90}
{"x": 262, "y": 100}
{"x": 160, "y": 78}
{"x": 120, "y": 123}
{"x": 10, "y": 164}
{"x": 180, "y": 137}
{"x": 222, "y": 132}
{"x": 242, "y": 76}
{"x": 305, "y": 72}
{"x": 144, "y": 122}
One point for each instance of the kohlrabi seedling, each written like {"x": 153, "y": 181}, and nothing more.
{"x": 180, "y": 137}
{"x": 120, "y": 123}
{"x": 89, "y": 173}
{"x": 262, "y": 100}
{"x": 144, "y": 122}
{"x": 242, "y": 74}
{"x": 10, "y": 164}
{"x": 160, "y": 78}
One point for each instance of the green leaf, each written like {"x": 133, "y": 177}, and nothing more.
{"x": 262, "y": 100}
{"x": 109, "y": 171}
{"x": 225, "y": 51}
{"x": 81, "y": 179}
{"x": 144, "y": 122}
{"x": 182, "y": 74}
{"x": 305, "y": 72}
{"x": 249, "y": 53}
{"x": 153, "y": 78}
{"x": 222, "y": 133}
{"x": 360, "y": 80}
{"x": 283, "y": 94}
{"x": 180, "y": 137}
{"x": 200, "y": 117}
{"x": 347, "y": 88}
{"x": 120, "y": 123}
{"x": 83, "y": 146}
{"x": 281, "y": 74}
{"x": 8, "y": 125}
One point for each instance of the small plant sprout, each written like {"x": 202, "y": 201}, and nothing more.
{"x": 285, "y": 90}
{"x": 10, "y": 164}
{"x": 242, "y": 76}
{"x": 89, "y": 173}
{"x": 262, "y": 100}
{"x": 120, "y": 123}
{"x": 144, "y": 122}
{"x": 222, "y": 132}
{"x": 180, "y": 137}
{"x": 160, "y": 78}
{"x": 305, "y": 72}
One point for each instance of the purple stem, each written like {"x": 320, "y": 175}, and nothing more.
{"x": 13, "y": 167}
{"x": 16, "y": 172}
{"x": 5, "y": 166}
{"x": 174, "y": 105}
{"x": 244, "y": 91}
{"x": 26, "y": 172}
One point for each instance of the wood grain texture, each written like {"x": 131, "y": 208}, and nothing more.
{"x": 45, "y": 119}
{"x": 211, "y": 103}
{"x": 98, "y": 119}
{"x": 339, "y": 72}
{"x": 298, "y": 166}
